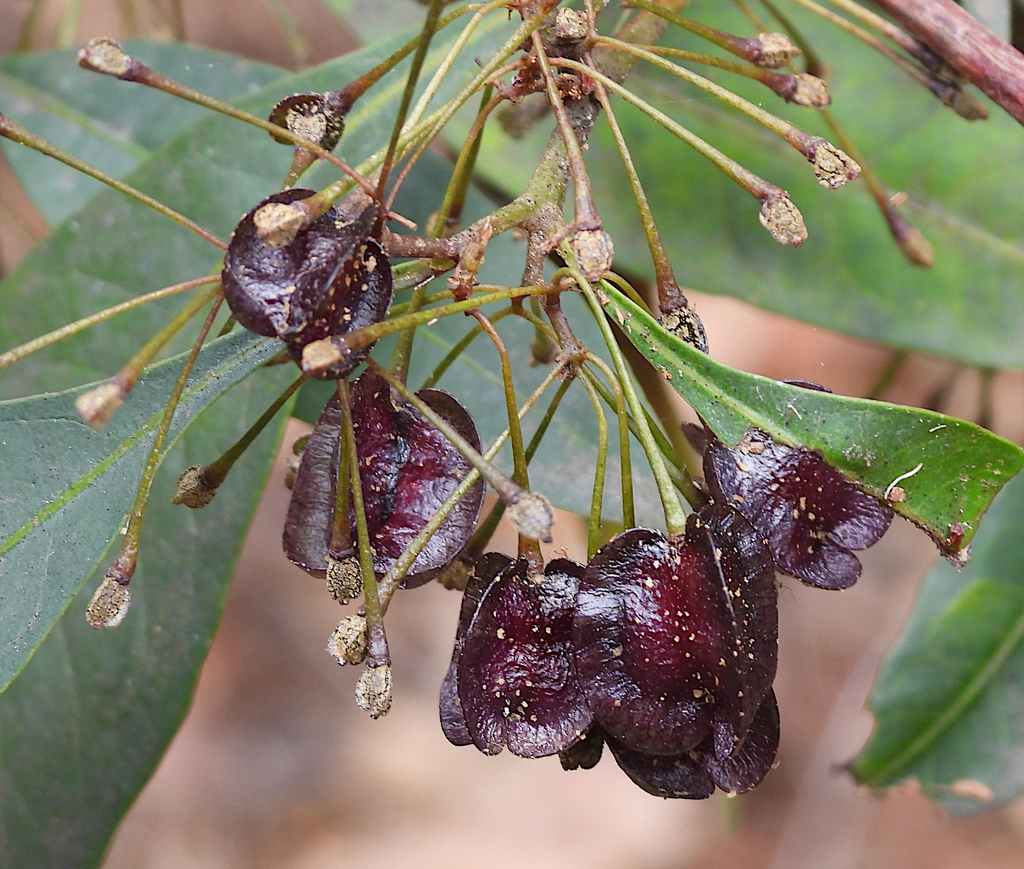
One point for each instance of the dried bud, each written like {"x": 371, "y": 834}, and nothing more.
{"x": 832, "y": 167}
{"x": 97, "y": 406}
{"x": 532, "y": 515}
{"x": 594, "y": 253}
{"x": 783, "y": 220}
{"x": 585, "y": 752}
{"x": 109, "y": 605}
{"x": 772, "y": 50}
{"x": 310, "y": 116}
{"x": 570, "y": 26}
{"x": 373, "y": 691}
{"x": 195, "y": 489}
{"x": 349, "y": 642}
{"x": 685, "y": 325}
{"x": 106, "y": 56}
{"x": 344, "y": 578}
{"x": 801, "y": 89}
{"x": 277, "y": 223}
{"x": 916, "y": 248}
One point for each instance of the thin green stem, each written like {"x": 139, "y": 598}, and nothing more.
{"x": 596, "y": 501}
{"x": 128, "y": 554}
{"x": 9, "y": 357}
{"x": 675, "y": 518}
{"x": 16, "y": 133}
{"x": 625, "y": 423}
{"x": 371, "y": 595}
{"x": 321, "y": 355}
{"x": 217, "y": 471}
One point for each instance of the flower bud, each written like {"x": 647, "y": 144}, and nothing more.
{"x": 195, "y": 489}
{"x": 349, "y": 642}
{"x": 783, "y": 220}
{"x": 532, "y": 515}
{"x": 344, "y": 578}
{"x": 109, "y": 605}
{"x": 373, "y": 691}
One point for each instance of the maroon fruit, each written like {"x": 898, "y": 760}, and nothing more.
{"x": 675, "y": 637}
{"x": 742, "y": 572}
{"x": 811, "y": 516}
{"x": 753, "y": 758}
{"x": 310, "y": 518}
{"x": 485, "y": 572}
{"x": 325, "y": 279}
{"x": 674, "y": 776}
{"x": 515, "y": 674}
{"x": 311, "y": 116}
{"x": 407, "y": 470}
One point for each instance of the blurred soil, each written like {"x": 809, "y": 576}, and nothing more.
{"x": 276, "y": 767}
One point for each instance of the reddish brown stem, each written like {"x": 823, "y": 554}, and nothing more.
{"x": 975, "y": 51}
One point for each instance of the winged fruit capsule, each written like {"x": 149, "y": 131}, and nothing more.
{"x": 514, "y": 674}
{"x": 675, "y": 637}
{"x": 407, "y": 470}
{"x": 810, "y": 514}
{"x": 303, "y": 282}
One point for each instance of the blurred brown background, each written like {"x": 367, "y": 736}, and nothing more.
{"x": 276, "y": 767}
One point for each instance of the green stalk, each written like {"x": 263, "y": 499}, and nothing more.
{"x": 675, "y": 518}
{"x": 17, "y": 133}
{"x": 9, "y": 357}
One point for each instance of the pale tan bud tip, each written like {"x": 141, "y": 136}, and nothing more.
{"x": 773, "y": 50}
{"x": 97, "y": 406}
{"x": 106, "y": 56}
{"x": 277, "y": 223}
{"x": 109, "y": 604}
{"x": 320, "y": 356}
{"x": 344, "y": 578}
{"x": 194, "y": 489}
{"x": 686, "y": 326}
{"x": 809, "y": 90}
{"x": 570, "y": 26}
{"x": 832, "y": 167}
{"x": 373, "y": 690}
{"x": 532, "y": 515}
{"x": 349, "y": 641}
{"x": 594, "y": 253}
{"x": 783, "y": 220}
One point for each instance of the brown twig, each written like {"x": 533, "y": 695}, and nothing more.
{"x": 994, "y": 66}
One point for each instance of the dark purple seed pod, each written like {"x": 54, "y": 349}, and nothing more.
{"x": 310, "y": 518}
{"x": 743, "y": 574}
{"x": 408, "y": 469}
{"x": 679, "y": 776}
{"x": 811, "y": 516}
{"x": 585, "y": 752}
{"x": 515, "y": 674}
{"x": 310, "y": 116}
{"x": 746, "y": 766}
{"x": 649, "y": 639}
{"x": 485, "y": 572}
{"x": 301, "y": 283}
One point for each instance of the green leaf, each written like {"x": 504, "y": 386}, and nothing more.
{"x": 67, "y": 488}
{"x": 849, "y": 276}
{"x": 949, "y": 702}
{"x": 949, "y": 469}
{"x": 86, "y": 723}
{"x": 109, "y": 123}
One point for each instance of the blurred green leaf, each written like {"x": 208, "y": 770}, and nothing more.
{"x": 109, "y": 123}
{"x": 949, "y": 469}
{"x": 949, "y": 702}
{"x": 67, "y": 488}
{"x": 86, "y": 723}
{"x": 849, "y": 276}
